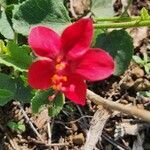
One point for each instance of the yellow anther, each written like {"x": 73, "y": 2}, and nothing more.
{"x": 60, "y": 66}
{"x": 55, "y": 78}
{"x": 64, "y": 78}
{"x": 57, "y": 86}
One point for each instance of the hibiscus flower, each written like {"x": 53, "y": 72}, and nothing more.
{"x": 65, "y": 62}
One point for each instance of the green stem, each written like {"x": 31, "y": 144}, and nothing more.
{"x": 136, "y": 23}
{"x": 118, "y": 19}
{"x": 16, "y": 37}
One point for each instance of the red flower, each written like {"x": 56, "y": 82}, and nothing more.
{"x": 66, "y": 61}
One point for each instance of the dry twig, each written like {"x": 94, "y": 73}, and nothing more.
{"x": 30, "y": 123}
{"x": 77, "y": 120}
{"x": 130, "y": 110}
{"x": 114, "y": 143}
{"x": 85, "y": 122}
{"x": 97, "y": 124}
{"x": 12, "y": 142}
{"x": 49, "y": 130}
{"x": 48, "y": 145}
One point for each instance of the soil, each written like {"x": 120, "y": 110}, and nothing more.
{"x": 69, "y": 128}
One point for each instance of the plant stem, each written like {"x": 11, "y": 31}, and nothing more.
{"x": 16, "y": 37}
{"x": 131, "y": 110}
{"x": 123, "y": 24}
{"x": 118, "y": 19}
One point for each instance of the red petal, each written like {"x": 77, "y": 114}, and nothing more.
{"x": 44, "y": 41}
{"x": 76, "y": 39}
{"x": 40, "y": 73}
{"x": 96, "y": 64}
{"x": 75, "y": 90}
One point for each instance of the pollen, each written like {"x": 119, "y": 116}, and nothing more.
{"x": 57, "y": 87}
{"x": 59, "y": 78}
{"x": 55, "y": 78}
{"x": 64, "y": 78}
{"x": 60, "y": 66}
{"x": 57, "y": 81}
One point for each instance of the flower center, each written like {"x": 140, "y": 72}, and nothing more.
{"x": 58, "y": 78}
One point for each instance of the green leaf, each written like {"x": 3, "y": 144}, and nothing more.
{"x": 3, "y": 48}
{"x": 16, "y": 88}
{"x": 120, "y": 45}
{"x": 8, "y": 87}
{"x": 21, "y": 127}
{"x": 144, "y": 14}
{"x": 5, "y": 28}
{"x": 30, "y": 13}
{"x": 147, "y": 68}
{"x": 23, "y": 93}
{"x": 5, "y": 96}
{"x": 145, "y": 57}
{"x": 138, "y": 60}
{"x": 6, "y": 82}
{"x": 8, "y": 2}
{"x": 40, "y": 99}
{"x": 19, "y": 57}
{"x": 68, "y": 108}
{"x": 145, "y": 93}
{"x": 57, "y": 105}
{"x": 18, "y": 127}
{"x": 97, "y": 33}
{"x": 9, "y": 64}
{"x": 102, "y": 8}
{"x": 12, "y": 125}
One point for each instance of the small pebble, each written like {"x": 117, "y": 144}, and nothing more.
{"x": 123, "y": 101}
{"x": 137, "y": 72}
{"x": 141, "y": 85}
{"x": 78, "y": 139}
